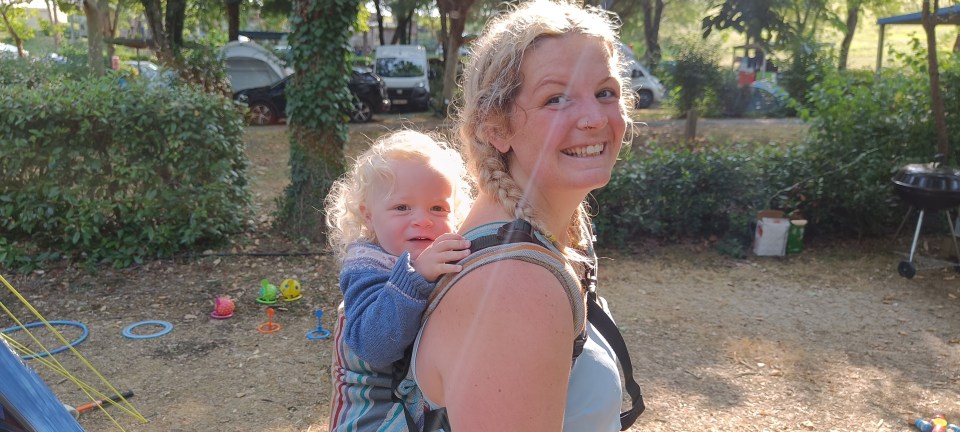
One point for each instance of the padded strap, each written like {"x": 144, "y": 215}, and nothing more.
{"x": 608, "y": 329}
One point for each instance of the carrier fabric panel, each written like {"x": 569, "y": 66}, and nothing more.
{"x": 26, "y": 399}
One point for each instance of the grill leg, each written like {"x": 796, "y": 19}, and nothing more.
{"x": 916, "y": 236}
{"x": 956, "y": 247}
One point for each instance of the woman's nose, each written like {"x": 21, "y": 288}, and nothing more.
{"x": 592, "y": 117}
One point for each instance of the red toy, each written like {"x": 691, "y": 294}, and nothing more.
{"x": 222, "y": 308}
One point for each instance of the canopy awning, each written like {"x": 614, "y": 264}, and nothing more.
{"x": 945, "y": 15}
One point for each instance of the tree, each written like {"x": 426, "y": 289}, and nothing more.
{"x": 233, "y": 19}
{"x": 759, "y": 20}
{"x": 317, "y": 98}
{"x": 652, "y": 15}
{"x": 94, "y": 13}
{"x": 456, "y": 12}
{"x": 11, "y": 19}
{"x": 166, "y": 25}
{"x": 54, "y": 22}
{"x": 929, "y": 19}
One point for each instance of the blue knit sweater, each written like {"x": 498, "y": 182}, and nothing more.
{"x": 384, "y": 299}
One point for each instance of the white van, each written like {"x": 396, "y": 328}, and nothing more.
{"x": 405, "y": 70}
{"x": 647, "y": 87}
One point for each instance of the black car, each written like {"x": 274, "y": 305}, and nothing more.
{"x": 269, "y": 104}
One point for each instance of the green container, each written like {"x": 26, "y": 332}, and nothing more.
{"x": 795, "y": 236}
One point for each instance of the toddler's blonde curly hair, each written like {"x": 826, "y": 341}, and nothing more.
{"x": 345, "y": 221}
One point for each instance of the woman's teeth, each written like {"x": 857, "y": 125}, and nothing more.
{"x": 591, "y": 150}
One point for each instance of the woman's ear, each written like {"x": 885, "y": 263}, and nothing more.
{"x": 497, "y": 136}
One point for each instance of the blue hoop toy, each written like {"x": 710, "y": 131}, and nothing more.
{"x": 166, "y": 329}
{"x": 83, "y": 336}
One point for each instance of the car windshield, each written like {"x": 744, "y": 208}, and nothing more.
{"x": 399, "y": 68}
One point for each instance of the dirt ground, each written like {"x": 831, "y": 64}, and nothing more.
{"x": 831, "y": 339}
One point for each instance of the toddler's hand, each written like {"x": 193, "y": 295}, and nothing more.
{"x": 435, "y": 260}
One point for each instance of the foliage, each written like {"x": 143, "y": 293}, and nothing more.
{"x": 33, "y": 73}
{"x": 862, "y": 131}
{"x": 683, "y": 193}
{"x": 101, "y": 170}
{"x": 203, "y": 65}
{"x": 809, "y": 63}
{"x": 695, "y": 74}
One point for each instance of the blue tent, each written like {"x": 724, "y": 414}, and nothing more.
{"x": 26, "y": 403}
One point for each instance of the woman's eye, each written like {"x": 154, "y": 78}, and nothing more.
{"x": 606, "y": 94}
{"x": 557, "y": 100}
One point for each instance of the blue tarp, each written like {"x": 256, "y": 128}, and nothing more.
{"x": 26, "y": 401}
{"x": 946, "y": 15}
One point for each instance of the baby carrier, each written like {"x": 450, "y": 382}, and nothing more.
{"x": 497, "y": 247}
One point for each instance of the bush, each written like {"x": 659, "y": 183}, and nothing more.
{"x": 103, "y": 172}
{"x": 674, "y": 194}
{"x": 839, "y": 178}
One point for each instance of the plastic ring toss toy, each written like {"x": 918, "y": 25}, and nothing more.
{"x": 290, "y": 290}
{"x": 320, "y": 333}
{"x": 222, "y": 308}
{"x": 128, "y": 332}
{"x": 82, "y": 337}
{"x": 269, "y": 326}
{"x": 268, "y": 293}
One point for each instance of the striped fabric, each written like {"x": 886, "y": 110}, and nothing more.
{"x": 362, "y": 395}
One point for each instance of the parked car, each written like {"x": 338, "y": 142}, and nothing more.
{"x": 268, "y": 104}
{"x": 648, "y": 88}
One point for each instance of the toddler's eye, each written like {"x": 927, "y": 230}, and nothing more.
{"x": 401, "y": 207}
{"x": 439, "y": 209}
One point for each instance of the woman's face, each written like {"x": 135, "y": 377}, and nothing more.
{"x": 566, "y": 127}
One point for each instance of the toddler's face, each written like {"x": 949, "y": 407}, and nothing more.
{"x": 411, "y": 213}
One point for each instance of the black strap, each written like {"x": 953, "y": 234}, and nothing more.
{"x": 608, "y": 329}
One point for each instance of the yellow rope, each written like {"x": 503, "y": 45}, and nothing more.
{"x": 54, "y": 364}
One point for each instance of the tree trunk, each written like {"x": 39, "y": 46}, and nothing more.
{"x": 457, "y": 13}
{"x": 690, "y": 127}
{"x": 319, "y": 53}
{"x": 94, "y": 37}
{"x": 445, "y": 35}
{"x": 376, "y": 5}
{"x": 176, "y": 14}
{"x": 853, "y": 16}
{"x": 929, "y": 20}
{"x": 233, "y": 20}
{"x": 652, "y": 16}
{"x": 154, "y": 14}
{"x": 54, "y": 21}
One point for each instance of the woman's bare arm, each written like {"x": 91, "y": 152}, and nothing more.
{"x": 497, "y": 350}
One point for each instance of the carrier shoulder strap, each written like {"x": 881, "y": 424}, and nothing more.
{"x": 519, "y": 234}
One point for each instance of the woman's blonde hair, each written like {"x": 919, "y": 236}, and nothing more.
{"x": 492, "y": 80}
{"x": 345, "y": 221}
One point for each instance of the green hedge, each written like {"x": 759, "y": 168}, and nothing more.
{"x": 104, "y": 170}
{"x": 838, "y": 178}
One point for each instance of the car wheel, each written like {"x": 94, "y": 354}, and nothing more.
{"x": 644, "y": 99}
{"x": 262, "y": 114}
{"x": 361, "y": 111}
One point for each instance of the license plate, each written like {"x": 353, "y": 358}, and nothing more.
{"x": 399, "y": 101}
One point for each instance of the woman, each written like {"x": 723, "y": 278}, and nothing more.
{"x": 542, "y": 120}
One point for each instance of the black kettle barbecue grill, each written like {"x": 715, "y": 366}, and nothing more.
{"x": 927, "y": 187}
